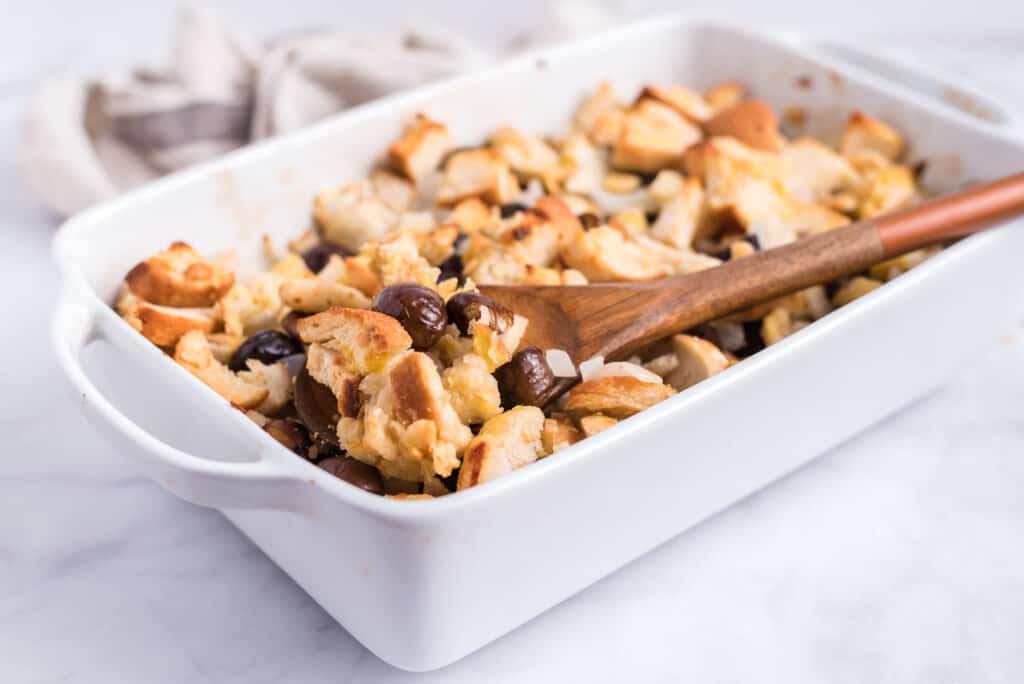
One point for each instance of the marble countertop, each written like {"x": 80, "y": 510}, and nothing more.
{"x": 895, "y": 558}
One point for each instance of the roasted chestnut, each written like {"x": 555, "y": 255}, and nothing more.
{"x": 267, "y": 346}
{"x": 316, "y": 257}
{"x": 466, "y": 307}
{"x": 290, "y": 433}
{"x": 525, "y": 379}
{"x": 419, "y": 309}
{"x": 510, "y": 209}
{"x": 316, "y": 405}
{"x": 354, "y": 472}
{"x": 451, "y": 268}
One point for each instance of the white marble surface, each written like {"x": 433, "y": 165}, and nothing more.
{"x": 896, "y": 558}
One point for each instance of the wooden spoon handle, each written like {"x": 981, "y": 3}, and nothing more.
{"x": 952, "y": 216}
{"x": 686, "y": 301}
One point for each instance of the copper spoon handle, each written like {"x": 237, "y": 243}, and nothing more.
{"x": 952, "y": 216}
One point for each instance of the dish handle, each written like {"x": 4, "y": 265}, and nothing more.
{"x": 941, "y": 88}
{"x": 254, "y": 484}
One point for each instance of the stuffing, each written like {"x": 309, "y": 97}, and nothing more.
{"x": 486, "y": 262}
{"x": 527, "y": 155}
{"x": 616, "y": 396}
{"x": 588, "y": 164}
{"x": 887, "y": 186}
{"x": 542, "y": 233}
{"x": 396, "y": 259}
{"x": 393, "y": 190}
{"x": 471, "y": 215}
{"x": 420, "y": 150}
{"x": 887, "y": 270}
{"x": 676, "y": 182}
{"x": 776, "y": 325}
{"x": 593, "y": 424}
{"x": 676, "y": 261}
{"x": 363, "y": 340}
{"x": 653, "y": 137}
{"x": 752, "y": 122}
{"x": 724, "y": 164}
{"x": 479, "y": 173}
{"x": 604, "y": 254}
{"x": 438, "y": 244}
{"x": 275, "y": 378}
{"x": 473, "y": 390}
{"x": 696, "y": 360}
{"x": 724, "y": 96}
{"x": 600, "y": 116}
{"x": 496, "y": 346}
{"x": 407, "y": 427}
{"x": 864, "y": 133}
{"x": 681, "y": 221}
{"x": 813, "y": 172}
{"x": 854, "y": 289}
{"x": 330, "y": 369}
{"x": 322, "y": 292}
{"x": 688, "y": 103}
{"x": 620, "y": 183}
{"x": 506, "y": 442}
{"x": 352, "y": 214}
{"x": 223, "y": 345}
{"x": 666, "y": 185}
{"x": 194, "y": 354}
{"x": 164, "y": 325}
{"x": 558, "y": 433}
{"x": 179, "y": 276}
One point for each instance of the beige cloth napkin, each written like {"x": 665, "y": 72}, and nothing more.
{"x": 85, "y": 141}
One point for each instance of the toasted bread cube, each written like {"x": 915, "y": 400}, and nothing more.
{"x": 479, "y": 173}
{"x": 653, "y": 137}
{"x": 364, "y": 340}
{"x": 600, "y": 116}
{"x": 723, "y": 96}
{"x": 864, "y": 132}
{"x": 696, "y": 360}
{"x": 617, "y": 396}
{"x": 526, "y": 154}
{"x": 752, "y": 122}
{"x": 352, "y": 215}
{"x": 179, "y": 276}
{"x": 689, "y": 103}
{"x": 419, "y": 152}
{"x": 506, "y": 442}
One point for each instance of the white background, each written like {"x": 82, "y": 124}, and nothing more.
{"x": 896, "y": 558}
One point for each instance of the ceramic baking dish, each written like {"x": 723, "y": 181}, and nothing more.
{"x": 423, "y": 583}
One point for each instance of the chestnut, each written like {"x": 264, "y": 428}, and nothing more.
{"x": 466, "y": 307}
{"x": 267, "y": 346}
{"x": 291, "y": 433}
{"x": 420, "y": 310}
{"x": 354, "y": 472}
{"x": 526, "y": 379}
{"x": 316, "y": 405}
{"x": 316, "y": 257}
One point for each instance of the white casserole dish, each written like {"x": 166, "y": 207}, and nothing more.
{"x": 423, "y": 583}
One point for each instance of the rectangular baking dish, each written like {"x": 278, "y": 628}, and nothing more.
{"x": 423, "y": 583}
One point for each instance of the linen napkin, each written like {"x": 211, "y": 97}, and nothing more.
{"x": 85, "y": 141}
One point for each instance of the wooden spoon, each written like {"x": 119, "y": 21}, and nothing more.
{"x": 615, "y": 319}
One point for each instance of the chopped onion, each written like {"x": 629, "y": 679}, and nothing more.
{"x": 590, "y": 366}
{"x": 624, "y": 368}
{"x": 560, "y": 363}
